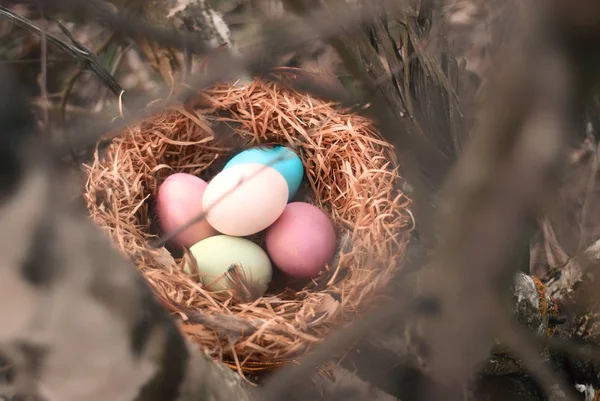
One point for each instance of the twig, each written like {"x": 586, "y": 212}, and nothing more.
{"x": 82, "y": 54}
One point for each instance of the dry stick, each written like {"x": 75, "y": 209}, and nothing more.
{"x": 190, "y": 42}
{"x": 573, "y": 272}
{"x": 79, "y": 52}
{"x": 120, "y": 58}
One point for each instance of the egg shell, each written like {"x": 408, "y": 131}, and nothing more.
{"x": 281, "y": 158}
{"x": 179, "y": 200}
{"x": 215, "y": 255}
{"x": 301, "y": 241}
{"x": 243, "y": 208}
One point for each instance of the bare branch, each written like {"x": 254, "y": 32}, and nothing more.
{"x": 80, "y": 53}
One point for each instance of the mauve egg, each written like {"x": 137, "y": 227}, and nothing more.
{"x": 245, "y": 199}
{"x": 301, "y": 241}
{"x": 179, "y": 200}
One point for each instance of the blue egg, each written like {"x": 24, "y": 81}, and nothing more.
{"x": 282, "y": 159}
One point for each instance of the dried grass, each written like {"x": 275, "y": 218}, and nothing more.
{"x": 351, "y": 173}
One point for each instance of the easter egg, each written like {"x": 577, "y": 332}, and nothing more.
{"x": 301, "y": 241}
{"x": 245, "y": 199}
{"x": 281, "y": 158}
{"x": 216, "y": 255}
{"x": 179, "y": 200}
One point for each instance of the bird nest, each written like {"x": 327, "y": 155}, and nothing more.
{"x": 350, "y": 172}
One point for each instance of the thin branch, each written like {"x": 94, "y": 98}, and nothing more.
{"x": 70, "y": 84}
{"x": 80, "y": 53}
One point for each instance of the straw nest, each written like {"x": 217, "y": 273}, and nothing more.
{"x": 351, "y": 173}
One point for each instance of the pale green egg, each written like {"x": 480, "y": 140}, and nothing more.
{"x": 216, "y": 255}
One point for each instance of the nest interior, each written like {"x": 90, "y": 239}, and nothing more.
{"x": 351, "y": 173}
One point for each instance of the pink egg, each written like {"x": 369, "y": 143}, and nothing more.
{"x": 245, "y": 199}
{"x": 301, "y": 241}
{"x": 179, "y": 200}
